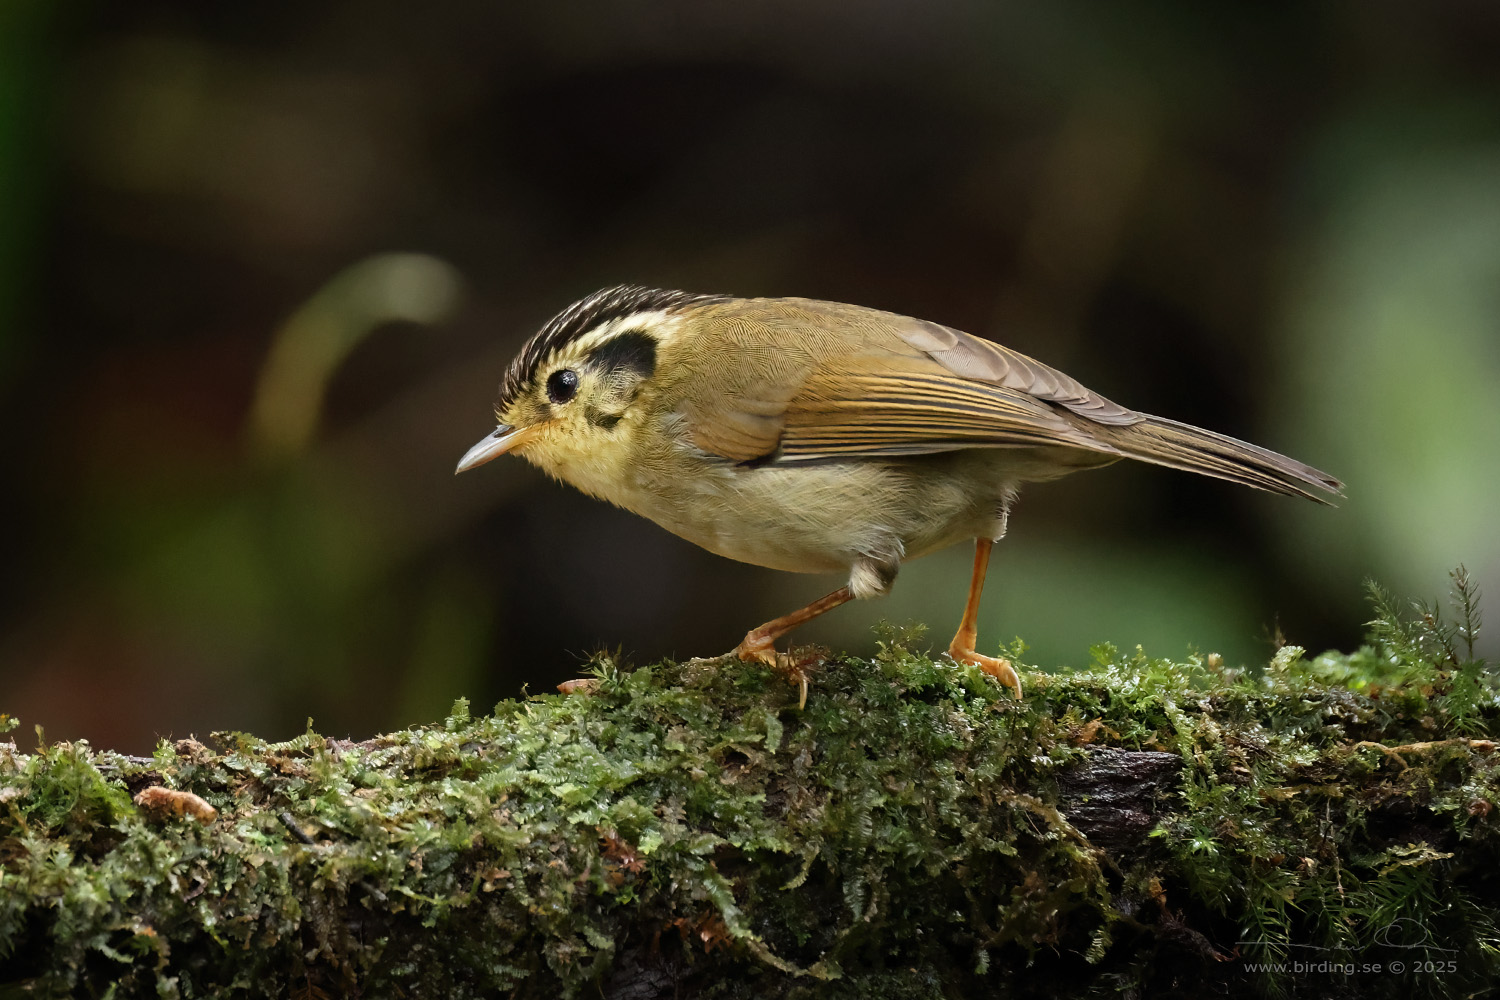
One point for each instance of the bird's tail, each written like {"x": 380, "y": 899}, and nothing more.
{"x": 1193, "y": 449}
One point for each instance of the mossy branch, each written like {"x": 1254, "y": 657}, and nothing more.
{"x": 686, "y": 831}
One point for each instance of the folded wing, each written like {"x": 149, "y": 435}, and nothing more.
{"x": 899, "y": 386}
{"x": 905, "y": 406}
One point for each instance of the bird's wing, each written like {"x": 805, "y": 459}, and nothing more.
{"x": 873, "y": 383}
{"x": 831, "y": 381}
{"x": 972, "y": 358}
{"x": 871, "y": 404}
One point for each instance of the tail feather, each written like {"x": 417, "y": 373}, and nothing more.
{"x": 1193, "y": 449}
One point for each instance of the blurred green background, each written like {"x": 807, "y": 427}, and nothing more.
{"x": 262, "y": 265}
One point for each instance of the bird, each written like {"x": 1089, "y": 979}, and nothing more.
{"x": 821, "y": 437}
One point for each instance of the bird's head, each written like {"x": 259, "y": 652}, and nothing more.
{"x": 573, "y": 400}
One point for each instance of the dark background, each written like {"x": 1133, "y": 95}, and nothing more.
{"x": 1281, "y": 221}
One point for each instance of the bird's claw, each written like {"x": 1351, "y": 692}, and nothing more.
{"x": 796, "y": 663}
{"x": 996, "y": 666}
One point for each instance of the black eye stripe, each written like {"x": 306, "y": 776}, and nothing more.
{"x": 587, "y": 314}
{"x": 562, "y": 385}
{"x": 633, "y": 351}
{"x": 599, "y": 418}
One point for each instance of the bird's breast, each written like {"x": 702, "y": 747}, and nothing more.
{"x": 814, "y": 517}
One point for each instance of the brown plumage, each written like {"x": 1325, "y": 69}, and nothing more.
{"x": 815, "y": 436}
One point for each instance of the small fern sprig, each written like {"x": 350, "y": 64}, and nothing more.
{"x": 1465, "y": 596}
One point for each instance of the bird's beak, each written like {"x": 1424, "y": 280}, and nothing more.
{"x": 503, "y": 439}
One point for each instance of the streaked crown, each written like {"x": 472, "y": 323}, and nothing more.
{"x": 581, "y": 319}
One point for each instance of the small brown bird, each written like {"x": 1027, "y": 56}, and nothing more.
{"x": 820, "y": 437}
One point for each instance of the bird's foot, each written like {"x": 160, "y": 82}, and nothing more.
{"x": 796, "y": 663}
{"x": 997, "y": 667}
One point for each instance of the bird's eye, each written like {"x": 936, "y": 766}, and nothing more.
{"x": 562, "y": 385}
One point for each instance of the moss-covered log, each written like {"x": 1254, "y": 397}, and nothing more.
{"x": 687, "y": 831}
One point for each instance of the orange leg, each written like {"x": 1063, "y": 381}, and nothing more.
{"x": 760, "y": 644}
{"x": 962, "y": 646}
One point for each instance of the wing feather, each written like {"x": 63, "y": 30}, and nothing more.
{"x": 801, "y": 380}
{"x": 900, "y": 406}
{"x": 971, "y": 357}
{"x": 847, "y": 381}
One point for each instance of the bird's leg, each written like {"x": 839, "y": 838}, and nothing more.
{"x": 759, "y": 644}
{"x": 962, "y": 646}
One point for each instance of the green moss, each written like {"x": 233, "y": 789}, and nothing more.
{"x": 913, "y": 832}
